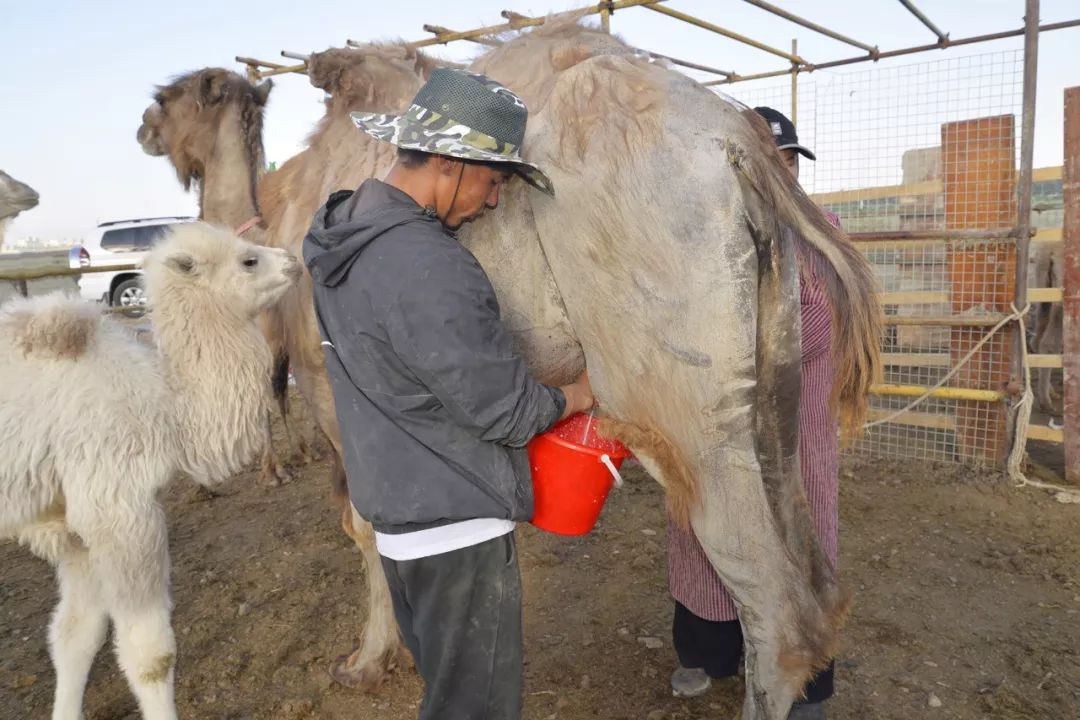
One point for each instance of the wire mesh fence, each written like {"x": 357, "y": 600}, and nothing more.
{"x": 905, "y": 152}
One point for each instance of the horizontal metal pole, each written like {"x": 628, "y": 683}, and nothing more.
{"x": 694, "y": 66}
{"x": 706, "y": 25}
{"x": 758, "y": 76}
{"x": 62, "y": 272}
{"x": 1064, "y": 25}
{"x": 295, "y": 55}
{"x": 257, "y": 63}
{"x": 947, "y": 393}
{"x": 872, "y": 49}
{"x": 977, "y": 321}
{"x": 943, "y": 38}
{"x": 284, "y": 70}
{"x": 440, "y": 30}
{"x": 891, "y": 235}
{"x": 530, "y": 22}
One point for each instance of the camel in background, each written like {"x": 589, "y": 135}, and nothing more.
{"x": 15, "y": 197}
{"x": 209, "y": 124}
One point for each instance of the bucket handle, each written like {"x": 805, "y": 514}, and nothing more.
{"x": 612, "y": 469}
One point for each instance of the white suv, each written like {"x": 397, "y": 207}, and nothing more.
{"x": 123, "y": 242}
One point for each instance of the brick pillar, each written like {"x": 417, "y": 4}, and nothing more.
{"x": 978, "y": 159}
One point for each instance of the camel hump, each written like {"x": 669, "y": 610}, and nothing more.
{"x": 50, "y": 327}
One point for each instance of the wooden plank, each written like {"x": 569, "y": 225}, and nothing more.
{"x": 1047, "y": 235}
{"x": 927, "y": 187}
{"x": 978, "y": 161}
{"x": 913, "y": 297}
{"x": 1037, "y": 295}
{"x": 1047, "y": 173}
{"x": 1044, "y": 432}
{"x": 1044, "y": 361}
{"x": 932, "y": 421}
{"x": 916, "y": 359}
{"x": 1071, "y": 326}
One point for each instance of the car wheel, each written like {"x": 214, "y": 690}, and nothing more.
{"x": 130, "y": 298}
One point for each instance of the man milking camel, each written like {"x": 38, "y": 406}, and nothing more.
{"x": 435, "y": 406}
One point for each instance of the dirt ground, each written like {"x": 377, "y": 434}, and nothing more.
{"x": 967, "y": 605}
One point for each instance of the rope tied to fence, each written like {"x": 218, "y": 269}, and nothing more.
{"x": 1017, "y": 315}
{"x": 1022, "y": 407}
{"x": 1023, "y": 419}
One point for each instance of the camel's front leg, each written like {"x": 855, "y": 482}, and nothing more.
{"x": 380, "y": 649}
{"x": 271, "y": 471}
{"x": 77, "y": 631}
{"x": 132, "y": 566}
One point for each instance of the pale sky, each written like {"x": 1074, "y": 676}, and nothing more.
{"x": 78, "y": 75}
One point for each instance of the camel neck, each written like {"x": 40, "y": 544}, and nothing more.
{"x": 227, "y": 191}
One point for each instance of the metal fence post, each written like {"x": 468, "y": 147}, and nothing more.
{"x": 1071, "y": 237}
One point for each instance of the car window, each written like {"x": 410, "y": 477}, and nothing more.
{"x": 147, "y": 235}
{"x": 119, "y": 240}
{"x": 133, "y": 239}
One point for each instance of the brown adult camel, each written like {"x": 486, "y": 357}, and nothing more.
{"x": 666, "y": 262}
{"x": 209, "y": 124}
{"x": 669, "y": 263}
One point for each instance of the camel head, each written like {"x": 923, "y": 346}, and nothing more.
{"x": 202, "y": 266}
{"x": 184, "y": 120}
{"x": 15, "y": 196}
{"x": 377, "y": 77}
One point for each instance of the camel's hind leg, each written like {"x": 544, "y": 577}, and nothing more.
{"x": 380, "y": 649}
{"x": 271, "y": 470}
{"x": 77, "y": 631}
{"x": 787, "y": 630}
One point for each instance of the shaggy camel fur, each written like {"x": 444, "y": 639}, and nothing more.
{"x": 673, "y": 244}
{"x": 209, "y": 124}
{"x": 82, "y": 467}
{"x": 15, "y": 197}
{"x": 685, "y": 305}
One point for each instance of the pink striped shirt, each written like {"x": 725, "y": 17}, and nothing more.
{"x": 691, "y": 577}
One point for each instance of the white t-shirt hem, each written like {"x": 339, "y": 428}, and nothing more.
{"x": 443, "y": 539}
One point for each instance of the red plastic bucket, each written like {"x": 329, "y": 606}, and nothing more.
{"x": 573, "y": 470}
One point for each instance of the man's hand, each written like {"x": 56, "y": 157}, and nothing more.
{"x": 579, "y": 397}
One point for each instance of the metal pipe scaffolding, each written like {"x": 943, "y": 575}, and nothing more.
{"x": 706, "y": 25}
{"x": 885, "y": 54}
{"x": 522, "y": 19}
{"x": 440, "y": 30}
{"x": 779, "y": 12}
{"x": 943, "y": 38}
{"x": 442, "y": 39}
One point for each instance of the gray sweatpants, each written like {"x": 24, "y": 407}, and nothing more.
{"x": 460, "y": 616}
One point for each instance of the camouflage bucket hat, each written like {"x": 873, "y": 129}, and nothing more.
{"x": 464, "y": 116}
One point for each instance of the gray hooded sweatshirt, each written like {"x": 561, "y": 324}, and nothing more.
{"x": 434, "y": 405}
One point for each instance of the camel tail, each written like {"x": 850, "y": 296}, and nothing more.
{"x": 845, "y": 273}
{"x": 51, "y": 327}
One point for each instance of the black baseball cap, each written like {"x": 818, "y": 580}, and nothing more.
{"x": 783, "y": 131}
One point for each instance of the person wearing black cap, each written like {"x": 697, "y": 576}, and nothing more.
{"x": 706, "y": 631}
{"x": 435, "y": 406}
{"x": 787, "y": 140}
